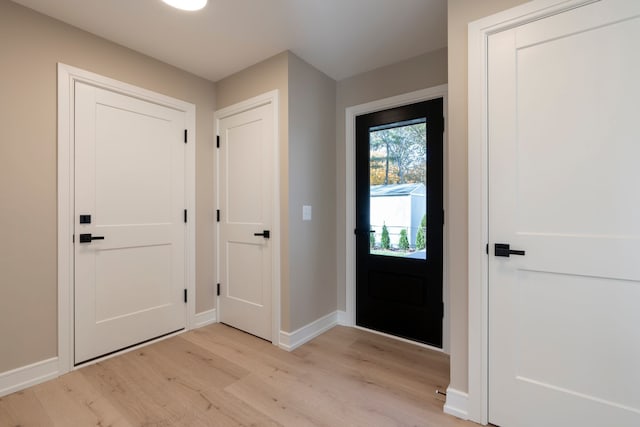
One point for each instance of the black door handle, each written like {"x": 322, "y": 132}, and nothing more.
{"x": 503, "y": 249}
{"x": 361, "y": 232}
{"x": 87, "y": 238}
{"x": 266, "y": 234}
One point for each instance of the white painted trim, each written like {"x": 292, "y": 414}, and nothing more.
{"x": 350, "y": 185}
{"x": 205, "y": 318}
{"x": 271, "y": 97}
{"x": 67, "y": 76}
{"x": 343, "y": 319}
{"x": 456, "y": 403}
{"x": 27, "y": 376}
{"x": 291, "y": 340}
{"x": 478, "y": 33}
{"x": 397, "y": 338}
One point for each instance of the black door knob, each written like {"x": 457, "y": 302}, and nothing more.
{"x": 265, "y": 233}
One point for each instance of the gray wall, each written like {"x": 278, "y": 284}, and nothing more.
{"x": 31, "y": 45}
{"x": 421, "y": 72}
{"x": 460, "y": 13}
{"x": 312, "y": 172}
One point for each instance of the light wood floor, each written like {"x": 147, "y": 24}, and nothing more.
{"x": 218, "y": 376}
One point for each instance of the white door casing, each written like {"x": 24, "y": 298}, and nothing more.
{"x": 561, "y": 344}
{"x": 68, "y": 78}
{"x": 129, "y": 177}
{"x": 248, "y": 263}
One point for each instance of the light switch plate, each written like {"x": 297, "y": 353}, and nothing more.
{"x": 306, "y": 213}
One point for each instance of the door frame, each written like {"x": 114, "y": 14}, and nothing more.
{"x": 474, "y": 405}
{"x": 440, "y": 91}
{"x": 67, "y": 77}
{"x": 272, "y": 98}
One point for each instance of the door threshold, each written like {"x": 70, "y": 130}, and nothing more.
{"x": 405, "y": 340}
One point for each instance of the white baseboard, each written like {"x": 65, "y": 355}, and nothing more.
{"x": 26, "y": 376}
{"x": 205, "y": 318}
{"x": 292, "y": 340}
{"x": 343, "y": 319}
{"x": 457, "y": 403}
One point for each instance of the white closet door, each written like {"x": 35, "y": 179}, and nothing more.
{"x": 246, "y": 206}
{"x": 130, "y": 179}
{"x": 564, "y": 144}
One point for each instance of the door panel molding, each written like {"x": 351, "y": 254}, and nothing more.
{"x": 478, "y": 262}
{"x": 67, "y": 77}
{"x": 272, "y": 98}
{"x": 440, "y": 91}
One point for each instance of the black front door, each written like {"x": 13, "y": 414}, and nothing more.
{"x": 399, "y": 221}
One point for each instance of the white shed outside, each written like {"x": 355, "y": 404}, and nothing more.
{"x": 397, "y": 206}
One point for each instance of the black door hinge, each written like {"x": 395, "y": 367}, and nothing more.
{"x": 218, "y": 289}
{"x": 185, "y": 216}
{"x": 443, "y": 309}
{"x": 487, "y": 249}
{"x": 218, "y": 215}
{"x": 185, "y": 295}
{"x": 185, "y": 136}
{"x": 217, "y": 141}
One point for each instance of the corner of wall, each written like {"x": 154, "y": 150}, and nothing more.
{"x": 312, "y": 271}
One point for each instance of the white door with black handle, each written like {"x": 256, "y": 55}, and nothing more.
{"x": 129, "y": 221}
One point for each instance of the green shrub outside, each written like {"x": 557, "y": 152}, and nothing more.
{"x": 385, "y": 241}
{"x": 421, "y": 241}
{"x": 403, "y": 243}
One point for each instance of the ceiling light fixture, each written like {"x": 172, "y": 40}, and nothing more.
{"x": 190, "y": 5}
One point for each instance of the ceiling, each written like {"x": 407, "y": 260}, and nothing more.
{"x": 339, "y": 37}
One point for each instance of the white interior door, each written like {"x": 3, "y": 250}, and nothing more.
{"x": 564, "y": 144}
{"x": 130, "y": 179}
{"x": 246, "y": 177}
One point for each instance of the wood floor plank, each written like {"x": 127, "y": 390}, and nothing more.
{"x": 251, "y": 353}
{"x": 219, "y": 376}
{"x": 5, "y": 418}
{"x": 182, "y": 360}
{"x": 71, "y": 401}
{"x": 236, "y": 411}
{"x": 24, "y": 409}
{"x": 321, "y": 400}
{"x": 124, "y": 393}
{"x": 417, "y": 384}
{"x": 268, "y": 400}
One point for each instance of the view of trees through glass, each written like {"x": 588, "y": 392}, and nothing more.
{"x": 397, "y": 177}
